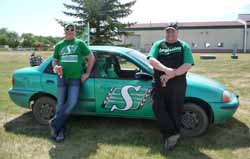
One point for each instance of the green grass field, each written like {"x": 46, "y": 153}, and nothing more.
{"x": 107, "y": 138}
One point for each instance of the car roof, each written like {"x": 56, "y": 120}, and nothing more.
{"x": 106, "y": 48}
{"x": 111, "y": 49}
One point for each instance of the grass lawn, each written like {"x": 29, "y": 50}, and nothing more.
{"x": 96, "y": 138}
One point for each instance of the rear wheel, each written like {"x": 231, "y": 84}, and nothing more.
{"x": 44, "y": 109}
{"x": 194, "y": 120}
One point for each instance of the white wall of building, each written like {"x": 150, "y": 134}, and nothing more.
{"x": 197, "y": 38}
{"x": 248, "y": 39}
{"x": 147, "y": 37}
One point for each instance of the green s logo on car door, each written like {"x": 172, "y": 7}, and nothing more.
{"x": 126, "y": 98}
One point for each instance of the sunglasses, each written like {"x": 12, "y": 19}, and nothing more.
{"x": 70, "y": 29}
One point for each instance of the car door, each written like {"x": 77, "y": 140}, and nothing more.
{"x": 49, "y": 80}
{"x": 118, "y": 92}
{"x": 86, "y": 101}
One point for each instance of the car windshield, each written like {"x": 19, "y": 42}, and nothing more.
{"x": 141, "y": 57}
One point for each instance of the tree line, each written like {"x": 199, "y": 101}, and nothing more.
{"x": 103, "y": 16}
{"x": 26, "y": 40}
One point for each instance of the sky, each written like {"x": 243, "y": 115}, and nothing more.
{"x": 38, "y": 16}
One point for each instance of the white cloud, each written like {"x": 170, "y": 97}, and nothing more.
{"x": 189, "y": 10}
{"x": 40, "y": 19}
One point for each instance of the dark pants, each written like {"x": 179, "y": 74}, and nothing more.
{"x": 168, "y": 106}
{"x": 67, "y": 97}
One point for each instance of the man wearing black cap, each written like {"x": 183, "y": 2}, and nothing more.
{"x": 171, "y": 58}
{"x": 69, "y": 54}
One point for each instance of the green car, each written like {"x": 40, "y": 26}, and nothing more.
{"x": 120, "y": 86}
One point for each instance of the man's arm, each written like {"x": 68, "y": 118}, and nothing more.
{"x": 159, "y": 66}
{"x": 188, "y": 61}
{"x": 55, "y": 59}
{"x": 183, "y": 69}
{"x": 91, "y": 62}
{"x": 179, "y": 71}
{"x": 152, "y": 56}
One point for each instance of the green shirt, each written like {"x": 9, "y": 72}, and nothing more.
{"x": 70, "y": 54}
{"x": 188, "y": 58}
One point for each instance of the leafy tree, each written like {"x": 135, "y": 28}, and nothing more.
{"x": 13, "y": 39}
{"x": 9, "y": 38}
{"x": 27, "y": 40}
{"x": 103, "y": 17}
{"x": 3, "y": 39}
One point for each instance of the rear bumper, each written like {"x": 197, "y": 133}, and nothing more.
{"x": 20, "y": 97}
{"x": 223, "y": 111}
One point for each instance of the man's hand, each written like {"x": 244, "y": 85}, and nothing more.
{"x": 183, "y": 69}
{"x": 55, "y": 65}
{"x": 55, "y": 68}
{"x": 164, "y": 78}
{"x": 85, "y": 77}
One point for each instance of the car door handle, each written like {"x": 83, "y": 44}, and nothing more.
{"x": 50, "y": 81}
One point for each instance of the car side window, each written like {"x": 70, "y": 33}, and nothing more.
{"x": 105, "y": 66}
{"x": 125, "y": 64}
{"x": 49, "y": 69}
{"x": 109, "y": 65}
{"x": 127, "y": 68}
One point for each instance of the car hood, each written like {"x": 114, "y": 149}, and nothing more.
{"x": 27, "y": 78}
{"x": 202, "y": 80}
{"x": 27, "y": 70}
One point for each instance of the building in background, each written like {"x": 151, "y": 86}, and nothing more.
{"x": 216, "y": 36}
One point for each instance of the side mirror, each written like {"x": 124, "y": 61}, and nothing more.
{"x": 143, "y": 76}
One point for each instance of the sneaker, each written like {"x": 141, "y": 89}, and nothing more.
{"x": 52, "y": 130}
{"x": 171, "y": 142}
{"x": 60, "y": 136}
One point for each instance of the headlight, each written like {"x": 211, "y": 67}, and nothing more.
{"x": 226, "y": 96}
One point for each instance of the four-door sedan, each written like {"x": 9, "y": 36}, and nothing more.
{"x": 120, "y": 86}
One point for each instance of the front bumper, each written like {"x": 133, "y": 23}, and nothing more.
{"x": 223, "y": 111}
{"x": 20, "y": 97}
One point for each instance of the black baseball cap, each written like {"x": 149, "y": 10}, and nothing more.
{"x": 172, "y": 26}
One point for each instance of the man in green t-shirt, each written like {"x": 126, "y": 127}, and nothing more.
{"x": 69, "y": 54}
{"x": 171, "y": 58}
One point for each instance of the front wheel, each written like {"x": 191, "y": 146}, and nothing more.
{"x": 194, "y": 120}
{"x": 44, "y": 109}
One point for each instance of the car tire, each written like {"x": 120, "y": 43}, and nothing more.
{"x": 194, "y": 120}
{"x": 44, "y": 109}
